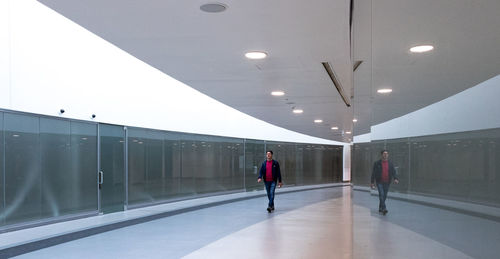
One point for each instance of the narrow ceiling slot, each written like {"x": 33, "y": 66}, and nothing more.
{"x": 336, "y": 82}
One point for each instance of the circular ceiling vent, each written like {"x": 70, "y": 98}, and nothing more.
{"x": 213, "y": 7}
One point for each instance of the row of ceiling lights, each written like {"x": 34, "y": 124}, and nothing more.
{"x": 262, "y": 55}
{"x": 218, "y": 7}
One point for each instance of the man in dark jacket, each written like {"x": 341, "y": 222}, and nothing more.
{"x": 382, "y": 174}
{"x": 270, "y": 172}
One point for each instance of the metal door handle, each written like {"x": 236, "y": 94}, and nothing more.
{"x": 101, "y": 177}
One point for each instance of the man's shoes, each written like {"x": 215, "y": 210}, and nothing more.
{"x": 385, "y": 211}
{"x": 269, "y": 209}
{"x": 272, "y": 208}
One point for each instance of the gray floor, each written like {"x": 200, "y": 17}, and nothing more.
{"x": 324, "y": 223}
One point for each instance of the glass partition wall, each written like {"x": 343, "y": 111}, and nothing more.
{"x": 461, "y": 166}
{"x": 54, "y": 168}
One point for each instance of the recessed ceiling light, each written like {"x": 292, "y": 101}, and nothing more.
{"x": 213, "y": 7}
{"x": 278, "y": 93}
{"x": 384, "y": 91}
{"x": 318, "y": 121}
{"x": 256, "y": 55}
{"x": 354, "y": 120}
{"x": 347, "y": 132}
{"x": 421, "y": 48}
{"x": 335, "y": 128}
{"x": 297, "y": 111}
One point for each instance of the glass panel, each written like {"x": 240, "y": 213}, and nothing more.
{"x": 68, "y": 167}
{"x": 213, "y": 163}
{"x": 290, "y": 172}
{"x": 84, "y": 166}
{"x": 460, "y": 166}
{"x": 23, "y": 190}
{"x": 189, "y": 163}
{"x": 154, "y": 165}
{"x": 299, "y": 164}
{"x": 57, "y": 177}
{"x": 137, "y": 163}
{"x": 361, "y": 164}
{"x": 398, "y": 153}
{"x": 255, "y": 154}
{"x": 113, "y": 167}
{"x": 2, "y": 175}
{"x": 308, "y": 163}
{"x": 228, "y": 174}
{"x": 172, "y": 164}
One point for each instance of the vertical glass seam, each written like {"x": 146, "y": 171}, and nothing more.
{"x": 3, "y": 160}
{"x": 125, "y": 161}
{"x": 244, "y": 164}
{"x": 99, "y": 209}
{"x": 409, "y": 165}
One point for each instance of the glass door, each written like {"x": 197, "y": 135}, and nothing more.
{"x": 111, "y": 178}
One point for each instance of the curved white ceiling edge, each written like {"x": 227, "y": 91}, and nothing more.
{"x": 56, "y": 64}
{"x": 476, "y": 108}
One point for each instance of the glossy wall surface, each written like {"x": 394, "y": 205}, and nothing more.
{"x": 49, "y": 167}
{"x": 48, "y": 170}
{"x": 462, "y": 166}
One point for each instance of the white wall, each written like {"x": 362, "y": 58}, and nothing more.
{"x": 362, "y": 138}
{"x": 4, "y": 52}
{"x": 49, "y": 63}
{"x": 476, "y": 108}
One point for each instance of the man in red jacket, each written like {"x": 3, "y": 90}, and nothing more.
{"x": 271, "y": 173}
{"x": 382, "y": 174}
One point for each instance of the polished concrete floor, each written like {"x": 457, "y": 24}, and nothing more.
{"x": 324, "y": 223}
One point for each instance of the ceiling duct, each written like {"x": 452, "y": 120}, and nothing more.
{"x": 356, "y": 64}
{"x": 336, "y": 82}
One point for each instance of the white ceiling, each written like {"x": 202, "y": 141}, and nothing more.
{"x": 206, "y": 51}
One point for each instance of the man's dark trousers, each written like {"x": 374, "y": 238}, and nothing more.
{"x": 383, "y": 188}
{"x": 270, "y": 188}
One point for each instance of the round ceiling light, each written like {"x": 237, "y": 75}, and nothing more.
{"x": 384, "y": 91}
{"x": 335, "y": 128}
{"x": 277, "y": 93}
{"x": 354, "y": 120}
{"x": 318, "y": 121}
{"x": 256, "y": 55}
{"x": 213, "y": 7}
{"x": 298, "y": 111}
{"x": 422, "y": 48}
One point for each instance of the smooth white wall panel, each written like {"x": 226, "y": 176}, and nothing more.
{"x": 4, "y": 54}
{"x": 56, "y": 64}
{"x": 473, "y": 109}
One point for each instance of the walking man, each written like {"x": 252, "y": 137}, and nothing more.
{"x": 382, "y": 174}
{"x": 270, "y": 172}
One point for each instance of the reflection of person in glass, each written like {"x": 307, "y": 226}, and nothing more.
{"x": 270, "y": 172}
{"x": 382, "y": 174}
